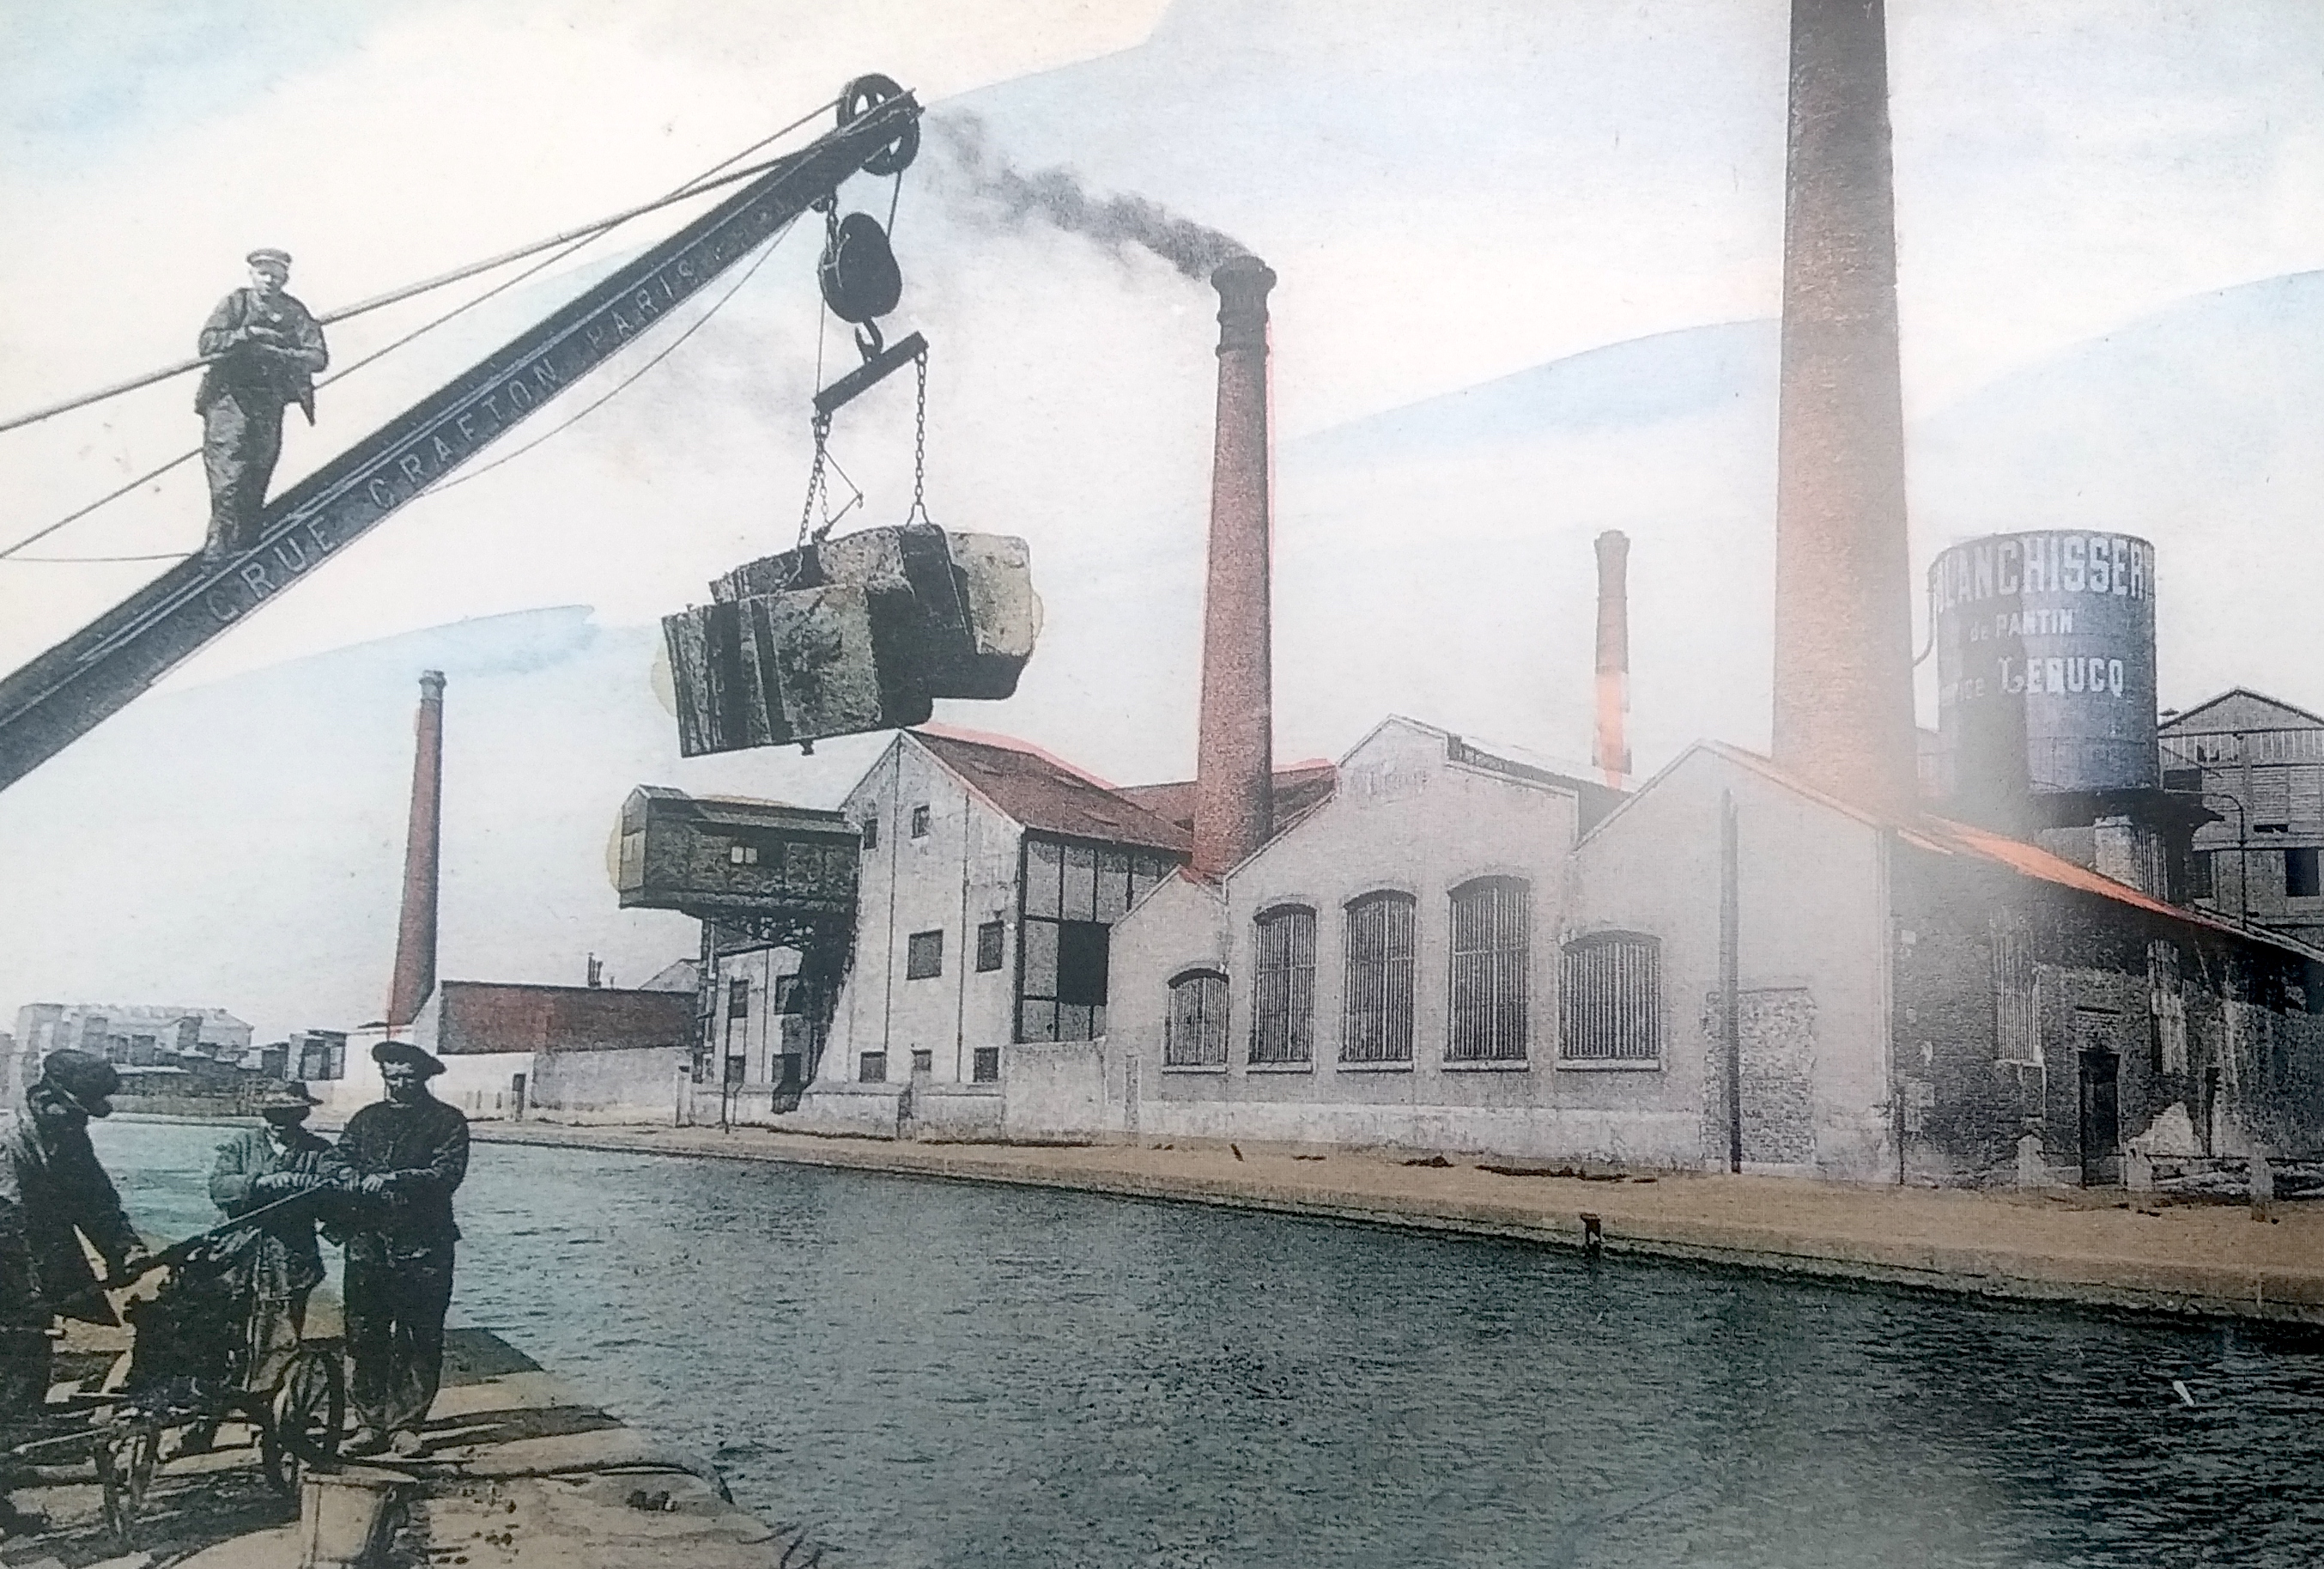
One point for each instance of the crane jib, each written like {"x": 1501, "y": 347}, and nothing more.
{"x": 66, "y": 691}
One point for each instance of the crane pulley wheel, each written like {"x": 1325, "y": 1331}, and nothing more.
{"x": 860, "y": 96}
{"x": 858, "y": 271}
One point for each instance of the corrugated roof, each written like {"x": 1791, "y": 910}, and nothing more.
{"x": 1050, "y": 796}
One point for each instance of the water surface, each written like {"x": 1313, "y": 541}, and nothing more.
{"x": 946, "y": 1373}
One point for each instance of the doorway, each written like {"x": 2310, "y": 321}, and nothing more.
{"x": 2101, "y": 1120}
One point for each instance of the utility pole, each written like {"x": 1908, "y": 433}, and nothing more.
{"x": 1730, "y": 1019}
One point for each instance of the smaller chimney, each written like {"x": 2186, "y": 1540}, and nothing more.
{"x": 415, "y": 935}
{"x": 1234, "y": 762}
{"x": 1611, "y": 751}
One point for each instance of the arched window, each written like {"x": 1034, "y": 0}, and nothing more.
{"x": 1196, "y": 1034}
{"x": 1376, "y": 1011}
{"x": 1283, "y": 998}
{"x": 1493, "y": 944}
{"x": 1611, "y": 995}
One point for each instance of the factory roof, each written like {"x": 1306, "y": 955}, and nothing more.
{"x": 1047, "y": 794}
{"x": 1297, "y": 788}
{"x": 1943, "y": 836}
{"x": 2241, "y": 708}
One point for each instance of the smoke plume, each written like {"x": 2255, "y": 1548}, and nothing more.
{"x": 1058, "y": 197}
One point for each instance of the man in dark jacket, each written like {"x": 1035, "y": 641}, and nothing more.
{"x": 51, "y": 1187}
{"x": 407, "y": 1154}
{"x": 265, "y": 350}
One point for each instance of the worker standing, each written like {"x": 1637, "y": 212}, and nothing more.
{"x": 265, "y": 351}
{"x": 277, "y": 1264}
{"x": 407, "y": 1155}
{"x": 52, "y": 1187}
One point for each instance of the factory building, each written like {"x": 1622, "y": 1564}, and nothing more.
{"x": 1445, "y": 959}
{"x": 2257, "y": 764}
{"x": 985, "y": 877}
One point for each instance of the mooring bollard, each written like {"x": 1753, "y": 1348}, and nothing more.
{"x": 1593, "y": 1238}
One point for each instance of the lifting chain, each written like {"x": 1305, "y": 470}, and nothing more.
{"x": 920, "y": 444}
{"x": 817, "y": 487}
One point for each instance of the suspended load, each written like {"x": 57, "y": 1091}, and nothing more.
{"x": 865, "y": 632}
{"x": 852, "y": 634}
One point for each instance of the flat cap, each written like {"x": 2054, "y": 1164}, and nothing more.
{"x": 403, "y": 1051}
{"x": 268, "y": 253}
{"x": 82, "y": 1079}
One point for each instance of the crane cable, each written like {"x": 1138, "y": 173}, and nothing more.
{"x": 589, "y": 231}
{"x": 708, "y": 180}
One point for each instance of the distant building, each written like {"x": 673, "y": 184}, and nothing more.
{"x": 2257, "y": 765}
{"x": 128, "y": 1036}
{"x": 577, "y": 1052}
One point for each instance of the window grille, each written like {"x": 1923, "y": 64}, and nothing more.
{"x": 1283, "y": 1000}
{"x": 1492, "y": 931}
{"x": 1377, "y": 1011}
{"x": 1196, "y": 1035}
{"x": 2200, "y": 881}
{"x": 991, "y": 940}
{"x": 1610, "y": 1002}
{"x": 2016, "y": 1020}
{"x": 1070, "y": 894}
{"x": 924, "y": 955}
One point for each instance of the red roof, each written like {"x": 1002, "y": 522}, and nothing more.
{"x": 1050, "y": 796}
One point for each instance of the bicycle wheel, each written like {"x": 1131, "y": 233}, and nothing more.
{"x": 124, "y": 1469}
{"x": 299, "y": 1425}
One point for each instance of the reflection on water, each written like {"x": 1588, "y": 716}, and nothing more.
{"x": 940, "y": 1373}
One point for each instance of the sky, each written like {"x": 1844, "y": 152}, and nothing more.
{"x": 1530, "y": 255}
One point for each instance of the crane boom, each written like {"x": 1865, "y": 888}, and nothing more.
{"x": 64, "y": 693}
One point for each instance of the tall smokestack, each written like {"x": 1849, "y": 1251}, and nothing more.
{"x": 1843, "y": 719}
{"x": 1611, "y": 752}
{"x": 1234, "y": 777}
{"x": 415, "y": 934}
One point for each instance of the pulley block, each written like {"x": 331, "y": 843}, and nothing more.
{"x": 858, "y": 271}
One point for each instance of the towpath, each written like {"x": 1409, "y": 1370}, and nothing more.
{"x": 2141, "y": 1252}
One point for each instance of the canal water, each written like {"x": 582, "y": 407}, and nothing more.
{"x": 938, "y": 1374}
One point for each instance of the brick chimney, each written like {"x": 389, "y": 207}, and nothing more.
{"x": 1234, "y": 757}
{"x": 1843, "y": 716}
{"x": 415, "y": 934}
{"x": 1611, "y": 751}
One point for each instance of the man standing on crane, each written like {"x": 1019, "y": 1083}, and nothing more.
{"x": 407, "y": 1154}
{"x": 264, "y": 351}
{"x": 52, "y": 1194}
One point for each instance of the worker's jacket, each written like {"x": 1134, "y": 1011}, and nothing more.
{"x": 51, "y": 1188}
{"x": 422, "y": 1149}
{"x": 277, "y": 1257}
{"x": 276, "y": 370}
